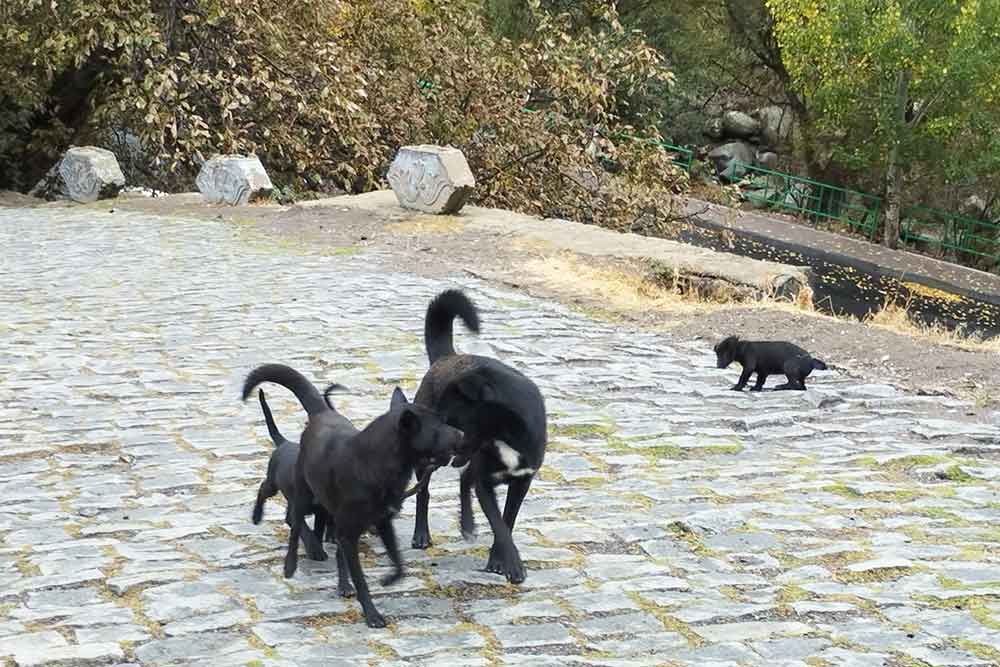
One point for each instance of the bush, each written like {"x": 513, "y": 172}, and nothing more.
{"x": 325, "y": 92}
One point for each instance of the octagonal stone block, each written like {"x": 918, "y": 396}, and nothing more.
{"x": 84, "y": 174}
{"x": 233, "y": 180}
{"x": 432, "y": 179}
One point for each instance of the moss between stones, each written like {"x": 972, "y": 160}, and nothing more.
{"x": 979, "y": 650}
{"x": 669, "y": 622}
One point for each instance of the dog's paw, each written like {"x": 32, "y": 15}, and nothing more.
{"x": 515, "y": 572}
{"x": 317, "y": 554}
{"x": 291, "y": 564}
{"x": 468, "y": 526}
{"x": 420, "y": 540}
{"x": 345, "y": 590}
{"x": 756, "y": 388}
{"x": 736, "y": 387}
{"x": 391, "y": 578}
{"x": 258, "y": 514}
{"x": 375, "y": 619}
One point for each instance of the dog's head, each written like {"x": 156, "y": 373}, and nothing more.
{"x": 725, "y": 351}
{"x": 422, "y": 432}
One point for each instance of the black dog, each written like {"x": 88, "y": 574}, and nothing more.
{"x": 359, "y": 477}
{"x": 502, "y": 414}
{"x": 281, "y": 477}
{"x": 767, "y": 358}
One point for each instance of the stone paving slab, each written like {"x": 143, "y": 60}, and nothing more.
{"x": 674, "y": 522}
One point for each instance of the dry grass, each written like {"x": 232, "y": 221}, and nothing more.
{"x": 895, "y": 317}
{"x": 628, "y": 290}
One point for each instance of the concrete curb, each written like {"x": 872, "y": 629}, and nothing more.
{"x": 705, "y": 272}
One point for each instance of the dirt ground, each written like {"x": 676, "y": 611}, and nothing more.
{"x": 438, "y": 247}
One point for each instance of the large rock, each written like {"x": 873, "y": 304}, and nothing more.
{"x": 739, "y": 125}
{"x": 776, "y": 125}
{"x": 767, "y": 159}
{"x": 84, "y": 174}
{"x": 713, "y": 129}
{"x": 233, "y": 180}
{"x": 432, "y": 179}
{"x": 726, "y": 156}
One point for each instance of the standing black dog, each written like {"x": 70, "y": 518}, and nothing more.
{"x": 767, "y": 358}
{"x": 359, "y": 477}
{"x": 281, "y": 477}
{"x": 502, "y": 414}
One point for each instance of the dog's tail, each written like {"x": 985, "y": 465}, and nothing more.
{"x": 819, "y": 365}
{"x": 438, "y": 332}
{"x": 290, "y": 379}
{"x": 272, "y": 428}
{"x": 335, "y": 387}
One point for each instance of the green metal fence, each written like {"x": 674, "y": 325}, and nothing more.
{"x": 951, "y": 235}
{"x": 821, "y": 202}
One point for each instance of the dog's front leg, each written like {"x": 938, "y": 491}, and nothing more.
{"x": 349, "y": 545}
{"x": 421, "y": 531}
{"x": 466, "y": 520}
{"x": 744, "y": 378}
{"x": 504, "y": 558}
{"x": 292, "y": 555}
{"x": 387, "y": 532}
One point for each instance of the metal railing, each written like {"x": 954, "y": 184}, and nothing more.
{"x": 822, "y": 202}
{"x": 944, "y": 233}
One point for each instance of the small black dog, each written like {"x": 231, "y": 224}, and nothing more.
{"x": 359, "y": 477}
{"x": 502, "y": 414}
{"x": 767, "y": 358}
{"x": 281, "y": 477}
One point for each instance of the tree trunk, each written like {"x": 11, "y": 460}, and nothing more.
{"x": 893, "y": 172}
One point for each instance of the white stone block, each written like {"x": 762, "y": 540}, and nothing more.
{"x": 233, "y": 180}
{"x": 433, "y": 179}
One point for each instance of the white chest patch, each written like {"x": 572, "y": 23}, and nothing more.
{"x": 511, "y": 459}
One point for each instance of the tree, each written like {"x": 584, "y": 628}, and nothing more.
{"x": 895, "y": 81}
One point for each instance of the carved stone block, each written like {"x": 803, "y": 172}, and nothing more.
{"x": 84, "y": 174}
{"x": 233, "y": 180}
{"x": 432, "y": 179}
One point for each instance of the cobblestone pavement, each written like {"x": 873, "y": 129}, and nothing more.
{"x": 675, "y": 522}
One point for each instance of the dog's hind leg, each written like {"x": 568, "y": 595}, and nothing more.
{"x": 466, "y": 520}
{"x": 388, "y": 535}
{"x": 504, "y": 558}
{"x": 349, "y": 545}
{"x": 267, "y": 490}
{"x": 314, "y": 548}
{"x": 421, "y": 531}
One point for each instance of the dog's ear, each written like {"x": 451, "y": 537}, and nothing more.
{"x": 398, "y": 399}
{"x": 475, "y": 388}
{"x": 409, "y": 422}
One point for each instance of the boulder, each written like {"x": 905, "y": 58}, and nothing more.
{"x": 432, "y": 179}
{"x": 776, "y": 125}
{"x": 767, "y": 159}
{"x": 713, "y": 129}
{"x": 725, "y": 157}
{"x": 233, "y": 180}
{"x": 973, "y": 207}
{"x": 84, "y": 174}
{"x": 739, "y": 125}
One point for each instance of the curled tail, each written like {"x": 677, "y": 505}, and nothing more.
{"x": 441, "y": 313}
{"x": 272, "y": 428}
{"x": 819, "y": 365}
{"x": 290, "y": 379}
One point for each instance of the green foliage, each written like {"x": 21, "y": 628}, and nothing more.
{"x": 847, "y": 58}
{"x": 325, "y": 91}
